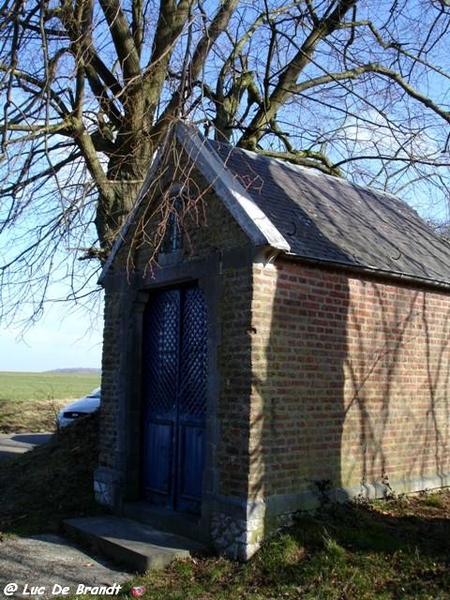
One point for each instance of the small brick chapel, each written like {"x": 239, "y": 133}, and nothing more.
{"x": 270, "y": 332}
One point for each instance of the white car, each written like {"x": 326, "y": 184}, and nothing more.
{"x": 79, "y": 408}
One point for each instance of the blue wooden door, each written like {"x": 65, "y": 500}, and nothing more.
{"x": 174, "y": 403}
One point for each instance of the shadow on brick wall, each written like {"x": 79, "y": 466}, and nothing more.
{"x": 350, "y": 374}
{"x": 398, "y": 375}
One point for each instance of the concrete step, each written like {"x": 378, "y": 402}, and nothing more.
{"x": 136, "y": 545}
{"x": 166, "y": 520}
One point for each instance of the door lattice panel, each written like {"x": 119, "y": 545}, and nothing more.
{"x": 161, "y": 359}
{"x": 193, "y": 355}
{"x": 175, "y": 395}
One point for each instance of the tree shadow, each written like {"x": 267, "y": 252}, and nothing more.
{"x": 398, "y": 401}
{"x": 350, "y": 372}
{"x": 402, "y": 551}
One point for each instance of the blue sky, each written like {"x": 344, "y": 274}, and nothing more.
{"x": 69, "y": 333}
{"x": 65, "y": 337}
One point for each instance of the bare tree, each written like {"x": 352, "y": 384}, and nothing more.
{"x": 353, "y": 88}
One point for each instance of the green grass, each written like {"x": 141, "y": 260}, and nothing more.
{"x": 350, "y": 552}
{"x": 18, "y": 386}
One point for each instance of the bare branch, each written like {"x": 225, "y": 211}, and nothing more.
{"x": 123, "y": 40}
{"x": 90, "y": 89}
{"x": 287, "y": 81}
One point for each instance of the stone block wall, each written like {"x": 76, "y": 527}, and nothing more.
{"x": 113, "y": 314}
{"x": 216, "y": 254}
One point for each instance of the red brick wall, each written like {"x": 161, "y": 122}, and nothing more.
{"x": 350, "y": 381}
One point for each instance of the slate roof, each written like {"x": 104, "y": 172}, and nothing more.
{"x": 327, "y": 219}
{"x": 309, "y": 215}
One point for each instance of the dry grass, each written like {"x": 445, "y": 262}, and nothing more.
{"x": 34, "y": 416}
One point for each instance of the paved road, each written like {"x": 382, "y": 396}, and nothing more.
{"x": 12, "y": 444}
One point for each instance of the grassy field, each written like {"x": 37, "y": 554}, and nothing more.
{"x": 45, "y": 386}
{"x": 29, "y": 402}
